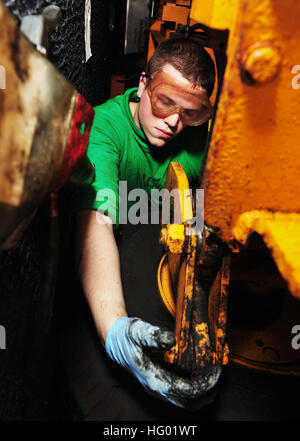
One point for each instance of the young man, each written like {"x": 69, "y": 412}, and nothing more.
{"x": 134, "y": 138}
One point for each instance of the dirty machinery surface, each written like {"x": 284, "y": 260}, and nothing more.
{"x": 247, "y": 274}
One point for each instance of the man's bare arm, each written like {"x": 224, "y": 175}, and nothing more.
{"x": 99, "y": 270}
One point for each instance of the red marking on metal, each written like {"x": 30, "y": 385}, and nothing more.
{"x": 77, "y": 142}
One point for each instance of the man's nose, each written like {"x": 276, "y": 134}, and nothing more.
{"x": 172, "y": 120}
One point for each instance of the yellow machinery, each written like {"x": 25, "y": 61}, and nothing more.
{"x": 251, "y": 182}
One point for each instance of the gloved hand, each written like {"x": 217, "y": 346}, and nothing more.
{"x": 129, "y": 342}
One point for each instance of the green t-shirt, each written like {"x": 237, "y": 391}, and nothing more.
{"x": 119, "y": 151}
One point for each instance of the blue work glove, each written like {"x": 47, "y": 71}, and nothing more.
{"x": 129, "y": 342}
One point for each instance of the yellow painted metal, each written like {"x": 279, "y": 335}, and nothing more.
{"x": 253, "y": 161}
{"x": 164, "y": 284}
{"x": 218, "y": 14}
{"x": 177, "y": 181}
{"x": 281, "y": 234}
{"x": 173, "y": 236}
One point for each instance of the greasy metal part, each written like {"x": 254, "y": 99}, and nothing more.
{"x": 185, "y": 275}
{"x": 173, "y": 236}
{"x": 182, "y": 354}
{"x": 36, "y": 123}
{"x": 217, "y": 312}
{"x": 201, "y": 336}
{"x": 200, "y": 317}
{"x": 213, "y": 271}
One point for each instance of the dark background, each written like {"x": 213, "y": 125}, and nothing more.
{"x": 29, "y": 374}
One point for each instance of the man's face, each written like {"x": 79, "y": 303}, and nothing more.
{"x": 160, "y": 130}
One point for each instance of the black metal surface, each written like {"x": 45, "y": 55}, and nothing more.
{"x": 28, "y": 376}
{"x": 22, "y": 391}
{"x": 67, "y": 44}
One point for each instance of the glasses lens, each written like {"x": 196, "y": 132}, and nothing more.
{"x": 167, "y": 99}
{"x": 195, "y": 117}
{"x": 163, "y": 103}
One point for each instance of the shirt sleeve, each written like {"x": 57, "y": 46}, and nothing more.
{"x": 103, "y": 153}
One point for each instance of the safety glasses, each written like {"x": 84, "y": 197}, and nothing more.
{"x": 168, "y": 96}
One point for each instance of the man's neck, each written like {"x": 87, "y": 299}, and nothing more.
{"x": 134, "y": 111}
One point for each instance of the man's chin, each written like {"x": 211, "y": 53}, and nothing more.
{"x": 159, "y": 142}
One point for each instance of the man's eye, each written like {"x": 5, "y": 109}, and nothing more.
{"x": 165, "y": 101}
{"x": 191, "y": 113}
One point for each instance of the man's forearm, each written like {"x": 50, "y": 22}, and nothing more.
{"x": 99, "y": 270}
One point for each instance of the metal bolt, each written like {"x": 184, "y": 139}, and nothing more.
{"x": 261, "y": 63}
{"x": 51, "y": 14}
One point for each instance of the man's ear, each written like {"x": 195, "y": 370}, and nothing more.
{"x": 142, "y": 84}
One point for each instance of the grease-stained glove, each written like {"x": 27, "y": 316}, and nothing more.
{"x": 129, "y": 342}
